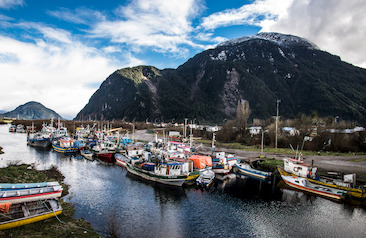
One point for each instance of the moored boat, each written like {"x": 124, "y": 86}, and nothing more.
{"x": 222, "y": 163}
{"x": 304, "y": 185}
{"x": 121, "y": 160}
{"x": 30, "y": 194}
{"x": 38, "y": 140}
{"x": 87, "y": 154}
{"x": 296, "y": 167}
{"x": 7, "y": 186}
{"x": 64, "y": 145}
{"x": 24, "y": 213}
{"x": 165, "y": 173}
{"x": 247, "y": 170}
{"x": 205, "y": 178}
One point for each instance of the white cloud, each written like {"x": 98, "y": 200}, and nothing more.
{"x": 78, "y": 16}
{"x": 56, "y": 73}
{"x": 163, "y": 25}
{"x": 249, "y": 14}
{"x": 335, "y": 26}
{"x": 7, "y": 4}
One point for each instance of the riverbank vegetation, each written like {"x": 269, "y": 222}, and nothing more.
{"x": 62, "y": 226}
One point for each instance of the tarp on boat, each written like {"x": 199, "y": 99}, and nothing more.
{"x": 201, "y": 161}
{"x": 148, "y": 166}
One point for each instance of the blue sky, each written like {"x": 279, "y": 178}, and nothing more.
{"x": 58, "y": 52}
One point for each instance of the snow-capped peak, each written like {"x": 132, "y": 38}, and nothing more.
{"x": 278, "y": 38}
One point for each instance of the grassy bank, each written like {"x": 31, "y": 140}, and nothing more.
{"x": 66, "y": 227}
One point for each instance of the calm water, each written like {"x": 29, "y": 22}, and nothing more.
{"x": 113, "y": 200}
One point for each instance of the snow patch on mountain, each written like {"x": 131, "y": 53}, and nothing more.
{"x": 278, "y": 38}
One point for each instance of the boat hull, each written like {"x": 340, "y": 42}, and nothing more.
{"x": 28, "y": 217}
{"x": 107, "y": 158}
{"x": 168, "y": 180}
{"x": 69, "y": 150}
{"x": 353, "y": 192}
{"x": 253, "y": 173}
{"x": 289, "y": 180}
{"x": 44, "y": 143}
{"x": 29, "y": 197}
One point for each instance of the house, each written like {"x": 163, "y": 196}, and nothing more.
{"x": 292, "y": 131}
{"x": 255, "y": 130}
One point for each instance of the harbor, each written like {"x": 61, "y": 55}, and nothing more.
{"x": 117, "y": 202}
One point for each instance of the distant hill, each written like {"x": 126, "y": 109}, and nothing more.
{"x": 260, "y": 69}
{"x": 31, "y": 111}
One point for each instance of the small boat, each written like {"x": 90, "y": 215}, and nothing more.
{"x": 30, "y": 194}
{"x": 65, "y": 145}
{"x": 87, "y": 154}
{"x": 38, "y": 140}
{"x": 205, "y": 178}
{"x": 165, "y": 173}
{"x": 19, "y": 214}
{"x": 9, "y": 186}
{"x": 222, "y": 163}
{"x": 13, "y": 128}
{"x": 20, "y": 129}
{"x": 304, "y": 185}
{"x": 247, "y": 170}
{"x": 121, "y": 160}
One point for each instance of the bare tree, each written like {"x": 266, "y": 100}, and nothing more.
{"x": 242, "y": 114}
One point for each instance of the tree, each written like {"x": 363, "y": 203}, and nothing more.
{"x": 242, "y": 114}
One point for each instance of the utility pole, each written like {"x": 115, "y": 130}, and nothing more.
{"x": 278, "y": 103}
{"x": 185, "y": 128}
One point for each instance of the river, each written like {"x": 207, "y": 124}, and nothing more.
{"x": 117, "y": 203}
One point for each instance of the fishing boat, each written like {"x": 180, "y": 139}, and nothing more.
{"x": 169, "y": 173}
{"x": 87, "y": 154}
{"x": 39, "y": 140}
{"x": 247, "y": 170}
{"x": 104, "y": 152}
{"x": 304, "y": 185}
{"x": 13, "y": 128}
{"x": 19, "y": 214}
{"x": 64, "y": 145}
{"x": 20, "y": 128}
{"x": 121, "y": 160}
{"x": 205, "y": 178}
{"x": 297, "y": 167}
{"x": 8, "y": 186}
{"x": 30, "y": 194}
{"x": 222, "y": 163}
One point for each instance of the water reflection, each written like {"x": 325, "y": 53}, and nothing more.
{"x": 118, "y": 203}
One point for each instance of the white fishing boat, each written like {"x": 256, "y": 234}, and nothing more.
{"x": 165, "y": 173}
{"x": 304, "y": 185}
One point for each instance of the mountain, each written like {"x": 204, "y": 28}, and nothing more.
{"x": 260, "y": 69}
{"x": 31, "y": 111}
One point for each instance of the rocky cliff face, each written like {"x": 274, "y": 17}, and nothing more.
{"x": 260, "y": 69}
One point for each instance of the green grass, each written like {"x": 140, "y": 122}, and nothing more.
{"x": 359, "y": 160}
{"x": 50, "y": 227}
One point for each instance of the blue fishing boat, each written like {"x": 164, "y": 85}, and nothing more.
{"x": 247, "y": 170}
{"x": 65, "y": 145}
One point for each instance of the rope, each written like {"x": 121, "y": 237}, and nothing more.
{"x": 65, "y": 223}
